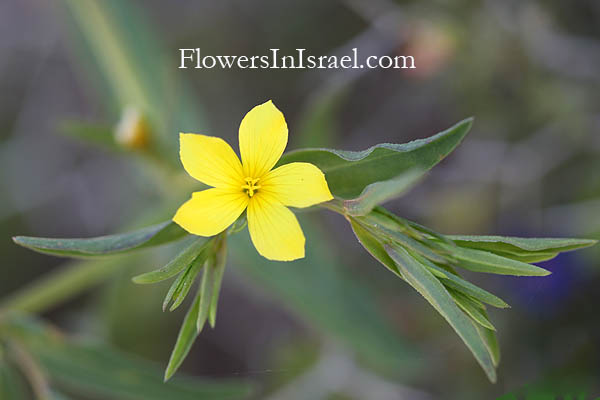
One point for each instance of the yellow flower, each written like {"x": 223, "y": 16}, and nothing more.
{"x": 251, "y": 185}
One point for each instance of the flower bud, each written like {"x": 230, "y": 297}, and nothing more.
{"x": 132, "y": 131}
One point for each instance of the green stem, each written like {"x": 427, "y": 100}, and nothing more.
{"x": 60, "y": 285}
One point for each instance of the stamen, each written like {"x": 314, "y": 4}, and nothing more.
{"x": 251, "y": 186}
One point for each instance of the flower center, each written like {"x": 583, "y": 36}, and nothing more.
{"x": 251, "y": 186}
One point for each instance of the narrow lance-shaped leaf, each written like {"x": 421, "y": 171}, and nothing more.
{"x": 402, "y": 239}
{"x": 374, "y": 247}
{"x": 454, "y": 281}
{"x": 177, "y": 264}
{"x": 484, "y": 261}
{"x": 429, "y": 287}
{"x": 104, "y": 245}
{"x": 206, "y": 290}
{"x": 349, "y": 173}
{"x": 471, "y": 308}
{"x": 185, "y": 339}
{"x": 521, "y": 246}
{"x": 182, "y": 285}
{"x": 221, "y": 259}
{"x": 527, "y": 258}
{"x": 491, "y": 341}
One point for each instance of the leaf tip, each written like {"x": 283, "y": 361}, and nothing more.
{"x": 20, "y": 240}
{"x": 544, "y": 272}
{"x": 168, "y": 374}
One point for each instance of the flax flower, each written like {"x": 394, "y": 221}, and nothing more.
{"x": 252, "y": 185}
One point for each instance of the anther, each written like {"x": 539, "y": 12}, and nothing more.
{"x": 251, "y": 186}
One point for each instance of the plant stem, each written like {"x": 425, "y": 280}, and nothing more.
{"x": 60, "y": 285}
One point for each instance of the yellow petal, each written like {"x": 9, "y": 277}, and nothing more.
{"x": 263, "y": 137}
{"x": 211, "y": 211}
{"x": 296, "y": 184}
{"x": 210, "y": 160}
{"x": 274, "y": 229}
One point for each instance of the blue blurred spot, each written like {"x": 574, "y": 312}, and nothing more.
{"x": 544, "y": 294}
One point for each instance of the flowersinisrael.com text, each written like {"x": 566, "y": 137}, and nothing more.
{"x": 193, "y": 58}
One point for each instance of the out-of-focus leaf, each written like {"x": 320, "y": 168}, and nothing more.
{"x": 12, "y": 385}
{"x": 455, "y": 282}
{"x": 379, "y": 192}
{"x": 95, "y": 134}
{"x": 484, "y": 261}
{"x": 104, "y": 245}
{"x": 521, "y": 246}
{"x": 419, "y": 277}
{"x": 471, "y": 308}
{"x": 319, "y": 122}
{"x": 104, "y": 372}
{"x": 177, "y": 264}
{"x": 185, "y": 338}
{"x": 323, "y": 292}
{"x": 107, "y": 34}
{"x": 54, "y": 395}
{"x": 348, "y": 173}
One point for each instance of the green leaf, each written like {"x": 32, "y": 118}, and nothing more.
{"x": 97, "y": 370}
{"x": 185, "y": 339}
{"x": 491, "y": 341}
{"x": 455, "y": 282}
{"x": 181, "y": 286}
{"x": 483, "y": 261}
{"x": 472, "y": 308}
{"x": 348, "y": 173}
{"x": 374, "y": 247}
{"x": 379, "y": 192}
{"x": 521, "y": 246}
{"x": 96, "y": 134}
{"x": 221, "y": 259}
{"x": 402, "y": 239}
{"x": 176, "y": 265}
{"x": 12, "y": 385}
{"x": 419, "y": 277}
{"x": 206, "y": 290}
{"x": 104, "y": 245}
{"x": 528, "y": 258}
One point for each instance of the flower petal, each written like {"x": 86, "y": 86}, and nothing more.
{"x": 211, "y": 211}
{"x": 210, "y": 160}
{"x": 274, "y": 229}
{"x": 296, "y": 184}
{"x": 263, "y": 136}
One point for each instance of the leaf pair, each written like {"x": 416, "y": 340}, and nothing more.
{"x": 207, "y": 254}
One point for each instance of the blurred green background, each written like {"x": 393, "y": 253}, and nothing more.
{"x": 332, "y": 326}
